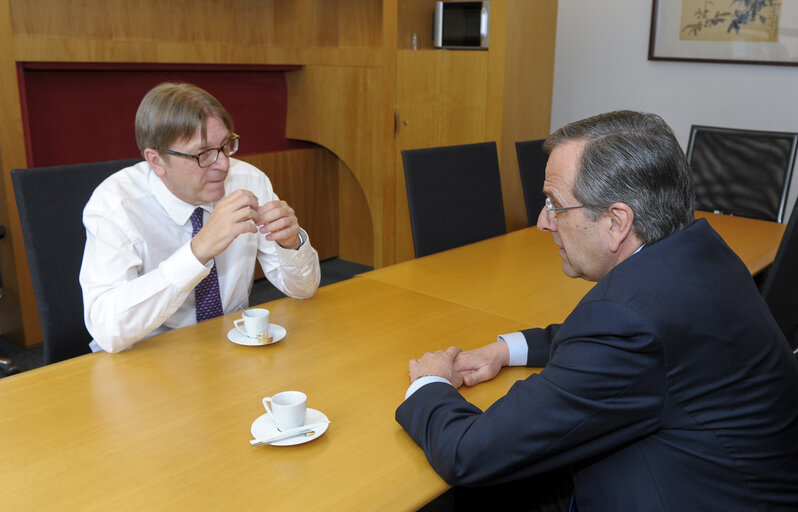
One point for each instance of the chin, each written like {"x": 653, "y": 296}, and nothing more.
{"x": 214, "y": 195}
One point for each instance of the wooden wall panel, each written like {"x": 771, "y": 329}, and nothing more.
{"x": 344, "y": 32}
{"x": 355, "y": 229}
{"x": 18, "y": 316}
{"x": 297, "y": 23}
{"x": 340, "y": 108}
{"x": 307, "y": 179}
{"x": 526, "y": 92}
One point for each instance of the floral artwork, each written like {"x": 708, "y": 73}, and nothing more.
{"x": 730, "y": 20}
{"x": 733, "y": 31}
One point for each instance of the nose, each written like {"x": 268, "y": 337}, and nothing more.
{"x": 222, "y": 161}
{"x": 544, "y": 224}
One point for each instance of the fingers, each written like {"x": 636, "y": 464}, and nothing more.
{"x": 275, "y": 212}
{"x": 440, "y": 363}
{"x": 231, "y": 217}
{"x": 238, "y": 207}
{"x": 470, "y": 360}
{"x": 238, "y": 199}
{"x": 278, "y": 221}
{"x": 452, "y": 352}
{"x": 472, "y": 378}
{"x": 481, "y": 364}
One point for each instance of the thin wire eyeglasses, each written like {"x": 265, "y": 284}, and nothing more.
{"x": 550, "y": 209}
{"x": 209, "y": 157}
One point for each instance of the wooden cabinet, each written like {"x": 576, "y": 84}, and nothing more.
{"x": 460, "y": 97}
{"x": 428, "y": 97}
{"x": 441, "y": 99}
{"x": 361, "y": 94}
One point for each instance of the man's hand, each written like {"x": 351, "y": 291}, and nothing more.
{"x": 231, "y": 217}
{"x": 278, "y": 222}
{"x": 475, "y": 366}
{"x": 440, "y": 364}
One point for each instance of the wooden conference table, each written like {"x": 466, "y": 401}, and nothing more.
{"x": 166, "y": 425}
{"x": 519, "y": 275}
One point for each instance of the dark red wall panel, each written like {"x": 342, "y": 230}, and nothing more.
{"x": 77, "y": 113}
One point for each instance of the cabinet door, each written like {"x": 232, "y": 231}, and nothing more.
{"x": 441, "y": 100}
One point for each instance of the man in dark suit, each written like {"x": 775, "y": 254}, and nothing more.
{"x": 668, "y": 388}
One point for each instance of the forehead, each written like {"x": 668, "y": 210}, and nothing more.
{"x": 216, "y": 133}
{"x": 561, "y": 169}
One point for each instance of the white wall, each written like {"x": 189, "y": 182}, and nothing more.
{"x": 601, "y": 64}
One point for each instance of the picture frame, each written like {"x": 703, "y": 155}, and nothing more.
{"x": 726, "y": 31}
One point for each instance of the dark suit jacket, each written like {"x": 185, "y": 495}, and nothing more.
{"x": 669, "y": 387}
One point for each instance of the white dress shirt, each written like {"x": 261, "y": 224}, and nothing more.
{"x": 138, "y": 273}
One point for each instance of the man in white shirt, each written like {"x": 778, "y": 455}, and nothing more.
{"x": 187, "y": 217}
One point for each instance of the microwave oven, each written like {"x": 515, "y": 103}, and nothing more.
{"x": 461, "y": 25}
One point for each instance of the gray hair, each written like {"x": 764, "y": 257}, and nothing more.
{"x": 632, "y": 158}
{"x": 172, "y": 111}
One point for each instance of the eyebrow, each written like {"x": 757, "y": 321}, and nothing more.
{"x": 206, "y": 146}
{"x": 548, "y": 194}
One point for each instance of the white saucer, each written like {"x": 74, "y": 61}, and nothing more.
{"x": 277, "y": 332}
{"x": 264, "y": 427}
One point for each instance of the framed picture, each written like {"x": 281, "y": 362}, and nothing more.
{"x": 734, "y": 31}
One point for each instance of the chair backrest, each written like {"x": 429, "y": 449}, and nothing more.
{"x": 742, "y": 172}
{"x": 50, "y": 202}
{"x": 2, "y": 235}
{"x": 454, "y": 194}
{"x": 780, "y": 288}
{"x": 532, "y": 166}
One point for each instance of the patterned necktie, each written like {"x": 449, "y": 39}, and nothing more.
{"x": 208, "y": 300}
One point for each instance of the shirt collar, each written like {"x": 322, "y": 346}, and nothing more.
{"x": 177, "y": 209}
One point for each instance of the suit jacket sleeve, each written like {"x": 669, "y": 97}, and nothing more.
{"x": 539, "y": 344}
{"x": 602, "y": 387}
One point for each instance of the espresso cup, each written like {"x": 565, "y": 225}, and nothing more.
{"x": 287, "y": 409}
{"x": 255, "y": 321}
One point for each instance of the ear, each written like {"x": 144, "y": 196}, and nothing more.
{"x": 156, "y": 162}
{"x": 621, "y": 218}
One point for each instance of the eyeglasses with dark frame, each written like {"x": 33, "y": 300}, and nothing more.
{"x": 209, "y": 157}
{"x": 551, "y": 209}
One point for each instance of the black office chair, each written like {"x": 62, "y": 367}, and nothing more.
{"x": 454, "y": 194}
{"x": 50, "y": 202}
{"x": 7, "y": 366}
{"x": 532, "y": 167}
{"x": 742, "y": 172}
{"x": 780, "y": 288}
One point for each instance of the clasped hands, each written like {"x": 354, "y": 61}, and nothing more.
{"x": 462, "y": 368}
{"x": 239, "y": 213}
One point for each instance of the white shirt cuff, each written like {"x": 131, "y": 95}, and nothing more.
{"x": 422, "y": 381}
{"x": 516, "y": 344}
{"x": 303, "y": 238}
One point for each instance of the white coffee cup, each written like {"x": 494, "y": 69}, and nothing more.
{"x": 256, "y": 323}
{"x": 287, "y": 409}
